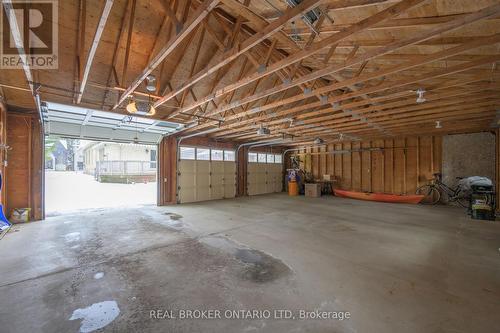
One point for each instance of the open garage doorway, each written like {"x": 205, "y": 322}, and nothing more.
{"x": 81, "y": 174}
{"x": 99, "y": 159}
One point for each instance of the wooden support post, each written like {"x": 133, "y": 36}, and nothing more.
{"x": 167, "y": 171}
{"x": 405, "y": 152}
{"x": 497, "y": 168}
{"x": 418, "y": 161}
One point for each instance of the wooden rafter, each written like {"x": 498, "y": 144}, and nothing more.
{"x": 133, "y": 5}
{"x": 391, "y": 85}
{"x": 201, "y": 12}
{"x": 236, "y": 51}
{"x": 316, "y": 47}
{"x": 19, "y": 42}
{"x": 490, "y": 11}
{"x": 93, "y": 48}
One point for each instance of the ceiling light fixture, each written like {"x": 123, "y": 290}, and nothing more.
{"x": 438, "y": 124}
{"x": 263, "y": 130}
{"x": 421, "y": 98}
{"x": 132, "y": 106}
{"x": 151, "y": 83}
{"x": 141, "y": 107}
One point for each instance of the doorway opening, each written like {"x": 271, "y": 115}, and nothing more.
{"x": 82, "y": 174}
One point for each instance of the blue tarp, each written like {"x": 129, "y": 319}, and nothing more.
{"x": 4, "y": 223}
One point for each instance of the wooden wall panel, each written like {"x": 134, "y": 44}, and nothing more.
{"x": 411, "y": 165}
{"x": 378, "y": 167}
{"x": 346, "y": 179}
{"x": 338, "y": 163}
{"x": 365, "y": 168}
{"x": 399, "y": 167}
{"x": 356, "y": 167}
{"x": 385, "y": 166}
{"x": 24, "y": 172}
{"x": 388, "y": 166}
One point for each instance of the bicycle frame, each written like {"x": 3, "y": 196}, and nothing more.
{"x": 451, "y": 192}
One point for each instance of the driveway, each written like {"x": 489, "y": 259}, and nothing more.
{"x": 70, "y": 191}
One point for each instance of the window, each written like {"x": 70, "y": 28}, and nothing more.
{"x": 278, "y": 159}
{"x": 252, "y": 157}
{"x": 217, "y": 155}
{"x": 202, "y": 154}
{"x": 187, "y": 153}
{"x": 270, "y": 158}
{"x": 229, "y": 155}
{"x": 262, "y": 158}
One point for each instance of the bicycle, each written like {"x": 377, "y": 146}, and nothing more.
{"x": 434, "y": 191}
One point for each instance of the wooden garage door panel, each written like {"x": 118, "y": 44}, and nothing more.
{"x": 217, "y": 179}
{"x": 230, "y": 167}
{"x": 229, "y": 191}
{"x": 217, "y": 167}
{"x": 206, "y": 180}
{"x": 261, "y": 188}
{"x": 265, "y": 178}
{"x": 187, "y": 195}
{"x": 187, "y": 180}
{"x": 203, "y": 166}
{"x": 217, "y": 192}
{"x": 202, "y": 193}
{"x": 187, "y": 166}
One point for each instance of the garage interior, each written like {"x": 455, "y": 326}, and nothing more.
{"x": 250, "y": 102}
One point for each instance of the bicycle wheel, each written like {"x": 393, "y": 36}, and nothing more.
{"x": 431, "y": 193}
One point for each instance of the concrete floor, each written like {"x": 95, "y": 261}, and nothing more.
{"x": 395, "y": 268}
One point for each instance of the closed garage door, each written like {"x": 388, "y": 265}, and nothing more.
{"x": 206, "y": 174}
{"x": 265, "y": 173}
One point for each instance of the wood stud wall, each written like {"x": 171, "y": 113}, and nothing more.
{"x": 399, "y": 167}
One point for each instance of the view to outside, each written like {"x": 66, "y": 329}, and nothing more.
{"x": 84, "y": 174}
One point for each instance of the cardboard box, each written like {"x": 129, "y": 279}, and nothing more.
{"x": 20, "y": 215}
{"x": 313, "y": 190}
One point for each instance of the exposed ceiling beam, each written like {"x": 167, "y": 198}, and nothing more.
{"x": 388, "y": 13}
{"x": 396, "y": 45}
{"x": 198, "y": 16}
{"x": 93, "y": 48}
{"x": 389, "y": 85}
{"x": 239, "y": 49}
{"x": 18, "y": 40}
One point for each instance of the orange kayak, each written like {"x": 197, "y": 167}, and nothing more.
{"x": 381, "y": 197}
